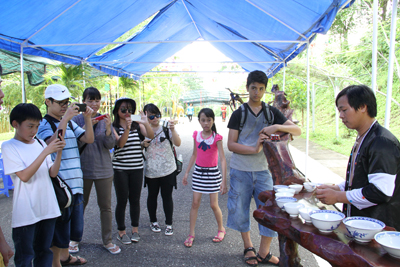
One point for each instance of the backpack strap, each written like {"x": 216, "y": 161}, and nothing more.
{"x": 49, "y": 119}
{"x": 243, "y": 118}
{"x": 269, "y": 116}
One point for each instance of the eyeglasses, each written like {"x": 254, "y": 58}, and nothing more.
{"x": 62, "y": 104}
{"x": 124, "y": 110}
{"x": 151, "y": 117}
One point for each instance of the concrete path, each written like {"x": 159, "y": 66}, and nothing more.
{"x": 156, "y": 249}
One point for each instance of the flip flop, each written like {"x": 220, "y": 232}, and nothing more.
{"x": 73, "y": 248}
{"x": 189, "y": 241}
{"x": 246, "y": 259}
{"x": 266, "y": 259}
{"x": 113, "y": 247}
{"x": 77, "y": 262}
{"x": 218, "y": 239}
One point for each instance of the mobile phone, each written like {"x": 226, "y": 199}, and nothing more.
{"x": 82, "y": 107}
{"x": 99, "y": 118}
{"x": 136, "y": 117}
{"x": 59, "y": 132}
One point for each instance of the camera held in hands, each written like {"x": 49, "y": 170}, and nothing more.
{"x": 82, "y": 107}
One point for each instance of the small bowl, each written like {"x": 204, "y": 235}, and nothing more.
{"x": 286, "y": 190}
{"x": 363, "y": 229}
{"x": 282, "y": 200}
{"x": 296, "y": 187}
{"x": 305, "y": 213}
{"x": 278, "y": 186}
{"x": 284, "y": 194}
{"x": 390, "y": 241}
{"x": 326, "y": 220}
{"x": 309, "y": 186}
{"x": 293, "y": 208}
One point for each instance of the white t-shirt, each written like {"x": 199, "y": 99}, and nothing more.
{"x": 34, "y": 200}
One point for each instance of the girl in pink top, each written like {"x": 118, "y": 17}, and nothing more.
{"x": 206, "y": 177}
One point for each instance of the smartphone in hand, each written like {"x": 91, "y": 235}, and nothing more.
{"x": 82, "y": 107}
{"x": 136, "y": 117}
{"x": 59, "y": 133}
{"x": 99, "y": 118}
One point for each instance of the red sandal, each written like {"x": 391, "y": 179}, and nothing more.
{"x": 189, "y": 241}
{"x": 218, "y": 239}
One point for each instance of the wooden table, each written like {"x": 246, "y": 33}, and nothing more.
{"x": 335, "y": 247}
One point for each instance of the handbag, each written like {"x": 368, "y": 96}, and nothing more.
{"x": 61, "y": 189}
{"x": 178, "y": 162}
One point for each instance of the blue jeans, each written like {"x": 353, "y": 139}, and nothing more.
{"x": 243, "y": 186}
{"x": 32, "y": 242}
{"x": 72, "y": 229}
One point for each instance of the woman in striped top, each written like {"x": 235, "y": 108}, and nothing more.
{"x": 206, "y": 176}
{"x": 128, "y": 164}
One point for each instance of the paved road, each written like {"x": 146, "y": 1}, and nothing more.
{"x": 156, "y": 249}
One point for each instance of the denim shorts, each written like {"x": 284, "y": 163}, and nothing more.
{"x": 243, "y": 186}
{"x": 72, "y": 229}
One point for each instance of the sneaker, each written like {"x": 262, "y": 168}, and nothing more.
{"x": 135, "y": 237}
{"x": 124, "y": 239}
{"x": 155, "y": 227}
{"x": 169, "y": 230}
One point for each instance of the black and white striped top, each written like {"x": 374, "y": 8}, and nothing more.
{"x": 130, "y": 156}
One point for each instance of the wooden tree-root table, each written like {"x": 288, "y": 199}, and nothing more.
{"x": 335, "y": 247}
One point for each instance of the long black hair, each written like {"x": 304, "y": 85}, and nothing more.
{"x": 92, "y": 93}
{"x": 117, "y": 105}
{"x": 209, "y": 114}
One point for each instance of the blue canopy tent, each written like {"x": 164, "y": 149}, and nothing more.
{"x": 257, "y": 34}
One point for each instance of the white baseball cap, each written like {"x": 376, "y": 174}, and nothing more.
{"x": 57, "y": 92}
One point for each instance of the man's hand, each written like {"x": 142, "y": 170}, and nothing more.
{"x": 260, "y": 141}
{"x": 71, "y": 112}
{"x": 270, "y": 130}
{"x": 55, "y": 146}
{"x": 327, "y": 196}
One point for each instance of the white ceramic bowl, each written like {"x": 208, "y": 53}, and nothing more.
{"x": 296, "y": 187}
{"x": 363, "y": 229}
{"x": 326, "y": 220}
{"x": 284, "y": 194}
{"x": 390, "y": 241}
{"x": 305, "y": 213}
{"x": 278, "y": 186}
{"x": 293, "y": 208}
{"x": 282, "y": 200}
{"x": 286, "y": 190}
{"x": 309, "y": 186}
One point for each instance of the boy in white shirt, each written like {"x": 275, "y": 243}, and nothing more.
{"x": 35, "y": 206}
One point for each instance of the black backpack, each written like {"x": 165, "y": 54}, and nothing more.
{"x": 268, "y": 115}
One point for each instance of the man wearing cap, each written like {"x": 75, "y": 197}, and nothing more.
{"x": 59, "y": 115}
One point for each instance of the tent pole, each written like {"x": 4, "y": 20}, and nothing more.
{"x": 22, "y": 75}
{"x": 313, "y": 107}
{"x": 308, "y": 106}
{"x": 284, "y": 76}
{"x": 336, "y": 92}
{"x": 374, "y": 45}
{"x": 391, "y": 57}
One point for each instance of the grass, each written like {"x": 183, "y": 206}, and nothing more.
{"x": 327, "y": 138}
{"x": 6, "y": 136}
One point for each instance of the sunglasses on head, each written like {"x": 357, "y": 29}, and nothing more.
{"x": 124, "y": 110}
{"x": 151, "y": 117}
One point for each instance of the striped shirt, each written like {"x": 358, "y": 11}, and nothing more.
{"x": 70, "y": 167}
{"x": 130, "y": 156}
